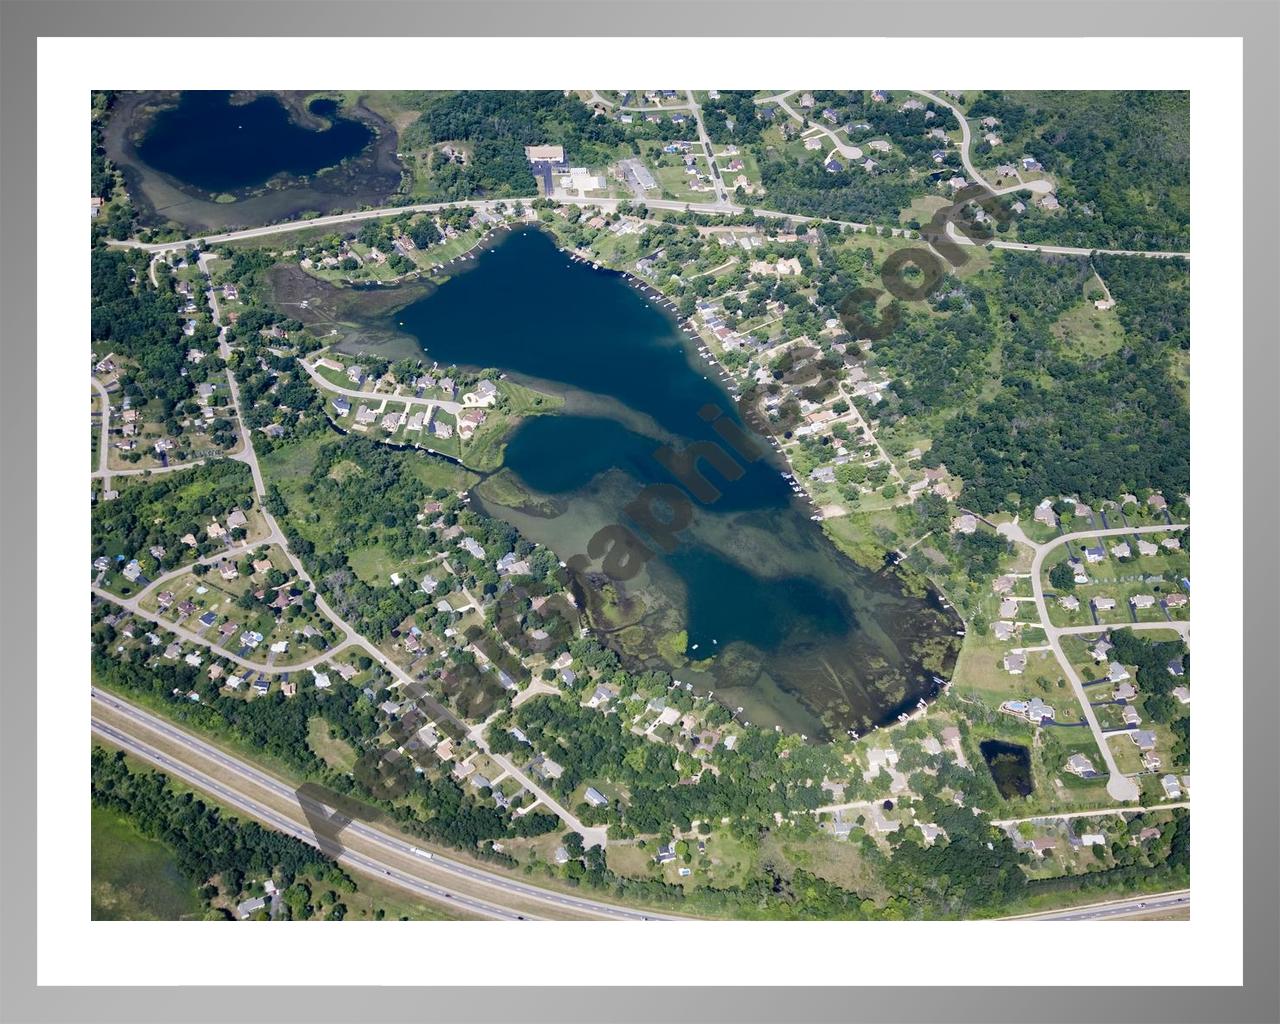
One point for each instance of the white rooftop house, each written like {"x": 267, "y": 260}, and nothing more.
{"x": 595, "y": 798}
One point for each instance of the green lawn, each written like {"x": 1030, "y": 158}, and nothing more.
{"x": 135, "y": 878}
{"x": 1089, "y": 332}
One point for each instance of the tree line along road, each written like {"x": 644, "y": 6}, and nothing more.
{"x": 386, "y": 853}
{"x": 607, "y": 205}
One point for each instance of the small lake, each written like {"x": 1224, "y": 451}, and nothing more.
{"x": 1010, "y": 766}
{"x": 216, "y": 161}
{"x": 220, "y": 146}
{"x": 752, "y": 601}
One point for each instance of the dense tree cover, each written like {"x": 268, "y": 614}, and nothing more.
{"x": 797, "y": 184}
{"x": 1121, "y": 161}
{"x": 1058, "y": 424}
{"x": 1062, "y": 578}
{"x": 204, "y": 841}
{"x": 1151, "y": 299}
{"x": 802, "y": 184}
{"x": 140, "y": 322}
{"x": 733, "y": 117}
{"x": 115, "y": 220}
{"x": 498, "y": 125}
{"x": 753, "y": 782}
{"x": 163, "y": 508}
{"x": 940, "y": 360}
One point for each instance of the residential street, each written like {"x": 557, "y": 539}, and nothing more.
{"x": 382, "y": 852}
{"x": 713, "y": 168}
{"x": 103, "y": 472}
{"x": 250, "y": 788}
{"x": 1039, "y": 186}
{"x": 351, "y": 636}
{"x": 1120, "y": 786}
{"x": 379, "y": 396}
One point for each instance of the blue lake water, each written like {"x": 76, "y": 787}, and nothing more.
{"x": 778, "y": 621}
{"x": 213, "y": 144}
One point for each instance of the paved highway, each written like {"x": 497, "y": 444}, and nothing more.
{"x": 386, "y": 842}
{"x": 280, "y": 823}
{"x": 607, "y": 205}
{"x": 1134, "y": 906}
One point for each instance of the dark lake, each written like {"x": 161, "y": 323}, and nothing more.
{"x": 1010, "y": 766}
{"x": 753, "y": 602}
{"x": 219, "y": 146}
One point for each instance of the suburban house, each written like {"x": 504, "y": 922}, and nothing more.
{"x": 1080, "y": 765}
{"x": 1015, "y": 662}
{"x": 1144, "y": 739}
{"x": 595, "y": 798}
{"x": 1034, "y": 710}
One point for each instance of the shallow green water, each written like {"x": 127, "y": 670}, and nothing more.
{"x": 778, "y": 622}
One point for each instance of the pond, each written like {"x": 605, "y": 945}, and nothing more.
{"x": 1010, "y": 766}
{"x": 740, "y": 594}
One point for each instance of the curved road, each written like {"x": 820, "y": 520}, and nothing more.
{"x": 845, "y": 149}
{"x": 1119, "y": 786}
{"x": 377, "y": 396}
{"x": 103, "y": 472}
{"x": 389, "y": 842}
{"x": 1040, "y": 186}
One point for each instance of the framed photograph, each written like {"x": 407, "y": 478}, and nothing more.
{"x": 732, "y": 541}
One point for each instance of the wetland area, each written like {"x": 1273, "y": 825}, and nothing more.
{"x": 215, "y": 161}
{"x": 747, "y": 598}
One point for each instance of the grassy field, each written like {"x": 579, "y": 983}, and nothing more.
{"x": 136, "y": 878}
{"x": 334, "y": 751}
{"x": 1089, "y": 332}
